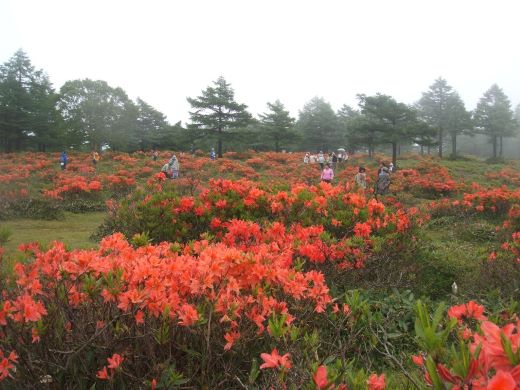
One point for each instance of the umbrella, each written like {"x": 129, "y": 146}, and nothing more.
{"x": 341, "y": 150}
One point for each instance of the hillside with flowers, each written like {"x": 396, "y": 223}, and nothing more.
{"x": 247, "y": 272}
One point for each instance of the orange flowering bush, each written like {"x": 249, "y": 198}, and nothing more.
{"x": 326, "y": 223}
{"x": 426, "y": 179}
{"x": 484, "y": 355}
{"x": 73, "y": 187}
{"x": 221, "y": 293}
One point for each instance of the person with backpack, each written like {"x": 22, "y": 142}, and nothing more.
{"x": 64, "y": 159}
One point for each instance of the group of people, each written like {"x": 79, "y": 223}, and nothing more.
{"x": 327, "y": 165}
{"x": 382, "y": 186}
{"x": 64, "y": 159}
{"x": 332, "y": 159}
{"x": 171, "y": 168}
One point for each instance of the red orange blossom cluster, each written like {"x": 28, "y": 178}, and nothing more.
{"x": 487, "y": 356}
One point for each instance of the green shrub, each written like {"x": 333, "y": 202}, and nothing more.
{"x": 5, "y": 234}
{"x": 37, "y": 208}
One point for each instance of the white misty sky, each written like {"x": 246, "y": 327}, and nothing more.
{"x": 164, "y": 51}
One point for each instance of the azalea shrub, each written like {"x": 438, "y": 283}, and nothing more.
{"x": 174, "y": 302}
{"x": 221, "y": 314}
{"x": 427, "y": 180}
{"x": 468, "y": 350}
{"x": 323, "y": 224}
{"x": 135, "y": 315}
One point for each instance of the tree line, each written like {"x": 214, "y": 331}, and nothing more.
{"x": 91, "y": 115}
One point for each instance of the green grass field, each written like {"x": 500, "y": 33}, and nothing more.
{"x": 74, "y": 230}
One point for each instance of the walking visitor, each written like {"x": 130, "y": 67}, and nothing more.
{"x": 64, "y": 159}
{"x": 383, "y": 182}
{"x": 321, "y": 159}
{"x": 361, "y": 178}
{"x": 327, "y": 174}
{"x": 174, "y": 166}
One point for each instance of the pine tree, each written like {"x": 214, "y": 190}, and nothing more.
{"x": 494, "y": 118}
{"x": 319, "y": 126}
{"x": 152, "y": 126}
{"x": 443, "y": 109}
{"x": 217, "y": 111}
{"x": 27, "y": 112}
{"x": 278, "y": 125}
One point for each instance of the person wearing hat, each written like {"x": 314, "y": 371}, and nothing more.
{"x": 174, "y": 166}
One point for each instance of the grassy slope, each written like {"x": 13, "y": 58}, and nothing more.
{"x": 74, "y": 230}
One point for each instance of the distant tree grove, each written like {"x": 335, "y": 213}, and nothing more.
{"x": 92, "y": 115}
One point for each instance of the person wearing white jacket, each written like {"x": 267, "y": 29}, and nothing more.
{"x": 174, "y": 165}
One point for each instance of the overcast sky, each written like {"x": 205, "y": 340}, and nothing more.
{"x": 164, "y": 51}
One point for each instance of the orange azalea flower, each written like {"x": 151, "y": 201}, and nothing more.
{"x": 376, "y": 382}
{"x": 188, "y": 315}
{"x": 467, "y": 311}
{"x": 103, "y": 374}
{"x": 139, "y": 317}
{"x": 502, "y": 381}
{"x": 418, "y": 360}
{"x": 362, "y": 229}
{"x": 115, "y": 361}
{"x": 275, "y": 360}
{"x": 29, "y": 309}
{"x": 320, "y": 378}
{"x": 231, "y": 338}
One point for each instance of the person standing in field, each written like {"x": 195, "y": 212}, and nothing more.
{"x": 307, "y": 158}
{"x": 383, "y": 182}
{"x": 64, "y": 159}
{"x": 95, "y": 158}
{"x": 321, "y": 159}
{"x": 174, "y": 166}
{"x": 212, "y": 154}
{"x": 155, "y": 155}
{"x": 382, "y": 165}
{"x": 327, "y": 174}
{"x": 334, "y": 160}
{"x": 361, "y": 178}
